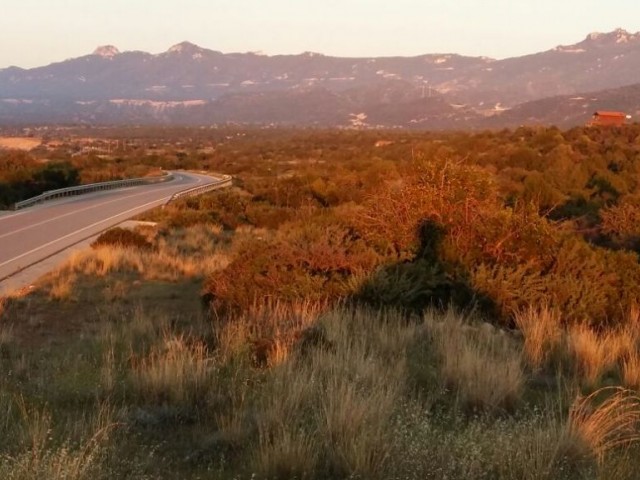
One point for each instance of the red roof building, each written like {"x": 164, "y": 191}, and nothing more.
{"x": 602, "y": 118}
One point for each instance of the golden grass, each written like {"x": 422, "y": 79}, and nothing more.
{"x": 163, "y": 264}
{"x": 176, "y": 372}
{"x": 104, "y": 260}
{"x": 596, "y": 353}
{"x": 61, "y": 287}
{"x": 602, "y": 426}
{"x": 542, "y": 332}
{"x": 631, "y": 371}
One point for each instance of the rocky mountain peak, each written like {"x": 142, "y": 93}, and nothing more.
{"x": 617, "y": 36}
{"x": 106, "y": 51}
{"x": 185, "y": 47}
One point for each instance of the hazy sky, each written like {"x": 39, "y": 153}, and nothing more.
{"x": 38, "y": 32}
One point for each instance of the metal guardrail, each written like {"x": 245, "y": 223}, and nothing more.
{"x": 224, "y": 181}
{"x": 92, "y": 187}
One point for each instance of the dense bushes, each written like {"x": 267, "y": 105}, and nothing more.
{"x": 498, "y": 219}
{"x": 302, "y": 261}
{"x": 443, "y": 228}
{"x": 445, "y": 231}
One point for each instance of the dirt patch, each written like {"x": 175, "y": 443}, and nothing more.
{"x": 20, "y": 143}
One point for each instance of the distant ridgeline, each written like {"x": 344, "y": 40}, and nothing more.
{"x": 191, "y": 85}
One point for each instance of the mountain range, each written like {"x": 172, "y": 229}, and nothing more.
{"x": 189, "y": 84}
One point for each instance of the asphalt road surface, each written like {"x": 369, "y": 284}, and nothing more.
{"x": 29, "y": 236}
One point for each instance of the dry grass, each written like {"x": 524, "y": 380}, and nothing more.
{"x": 115, "y": 291}
{"x": 595, "y": 353}
{"x": 108, "y": 370}
{"x": 41, "y": 459}
{"x": 177, "y": 372}
{"x": 439, "y": 445}
{"x": 631, "y": 371}
{"x": 104, "y": 260}
{"x": 330, "y": 409}
{"x": 7, "y": 334}
{"x": 61, "y": 286}
{"x": 286, "y": 453}
{"x": 542, "y": 332}
{"x": 163, "y": 264}
{"x": 483, "y": 366}
{"x": 602, "y": 426}
{"x": 271, "y": 325}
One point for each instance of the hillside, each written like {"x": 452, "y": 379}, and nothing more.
{"x": 570, "y": 110}
{"x": 188, "y": 84}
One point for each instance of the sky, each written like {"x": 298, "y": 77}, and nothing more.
{"x": 39, "y": 32}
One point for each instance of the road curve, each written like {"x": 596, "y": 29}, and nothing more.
{"x": 33, "y": 234}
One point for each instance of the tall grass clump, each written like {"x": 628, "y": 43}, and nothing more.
{"x": 267, "y": 329}
{"x": 123, "y": 238}
{"x": 631, "y": 371}
{"x": 597, "y": 353}
{"x": 335, "y": 399}
{"x": 481, "y": 365}
{"x": 176, "y": 372}
{"x": 543, "y": 334}
{"x": 603, "y": 425}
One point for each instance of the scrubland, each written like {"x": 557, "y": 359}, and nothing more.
{"x": 445, "y": 306}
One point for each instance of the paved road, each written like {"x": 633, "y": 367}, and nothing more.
{"x": 33, "y": 234}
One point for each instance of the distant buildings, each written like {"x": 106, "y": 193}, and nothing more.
{"x": 613, "y": 119}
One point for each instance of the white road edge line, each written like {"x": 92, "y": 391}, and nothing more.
{"x": 82, "y": 229}
{"x": 13, "y": 232}
{"x": 28, "y": 210}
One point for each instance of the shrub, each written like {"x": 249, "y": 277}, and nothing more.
{"x": 122, "y": 237}
{"x": 303, "y": 261}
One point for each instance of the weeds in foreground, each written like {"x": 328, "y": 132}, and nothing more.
{"x": 42, "y": 458}
{"x": 602, "y": 425}
{"x": 338, "y": 401}
{"x": 481, "y": 365}
{"x": 177, "y": 371}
